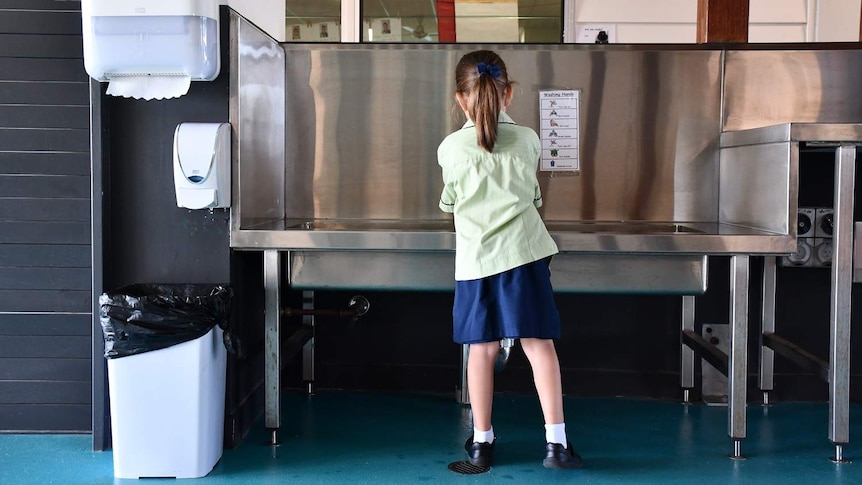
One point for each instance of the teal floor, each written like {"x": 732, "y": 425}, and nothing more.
{"x": 378, "y": 438}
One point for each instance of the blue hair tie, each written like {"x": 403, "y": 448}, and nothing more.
{"x": 492, "y": 69}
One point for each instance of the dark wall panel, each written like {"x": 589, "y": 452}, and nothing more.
{"x": 44, "y": 233}
{"x": 50, "y": 256}
{"x": 46, "y": 417}
{"x": 67, "y": 5}
{"x": 45, "y": 346}
{"x": 46, "y": 339}
{"x": 34, "y": 21}
{"x": 20, "y": 92}
{"x": 45, "y": 369}
{"x": 42, "y": 186}
{"x": 45, "y": 279}
{"x": 44, "y": 392}
{"x": 30, "y": 69}
{"x": 53, "y": 46}
{"x": 46, "y": 163}
{"x": 151, "y": 239}
{"x": 72, "y": 210}
{"x": 66, "y": 301}
{"x": 46, "y": 324}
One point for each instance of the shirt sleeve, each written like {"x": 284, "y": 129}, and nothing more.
{"x": 537, "y": 149}
{"x": 447, "y": 198}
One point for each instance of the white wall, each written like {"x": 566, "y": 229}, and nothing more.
{"x": 836, "y": 20}
{"x": 675, "y": 21}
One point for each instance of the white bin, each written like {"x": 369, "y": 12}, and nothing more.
{"x": 167, "y": 409}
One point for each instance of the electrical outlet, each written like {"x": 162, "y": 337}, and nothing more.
{"x": 823, "y": 222}
{"x": 803, "y": 257}
{"x": 805, "y": 222}
{"x": 822, "y": 252}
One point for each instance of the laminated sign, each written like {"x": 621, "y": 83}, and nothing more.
{"x": 559, "y": 119}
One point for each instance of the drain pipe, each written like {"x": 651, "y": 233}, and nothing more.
{"x": 462, "y": 395}
{"x": 506, "y": 345}
{"x": 356, "y": 307}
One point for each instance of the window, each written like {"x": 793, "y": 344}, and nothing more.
{"x": 312, "y": 20}
{"x": 533, "y": 21}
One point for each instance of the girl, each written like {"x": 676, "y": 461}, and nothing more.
{"x": 502, "y": 253}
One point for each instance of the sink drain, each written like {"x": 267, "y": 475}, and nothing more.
{"x": 467, "y": 468}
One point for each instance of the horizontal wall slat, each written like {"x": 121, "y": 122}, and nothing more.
{"x": 36, "y": 22}
{"x": 45, "y": 256}
{"x": 26, "y": 69}
{"x": 44, "y": 392}
{"x": 14, "y": 278}
{"x": 44, "y": 301}
{"x": 44, "y": 232}
{"x": 44, "y": 210}
{"x": 46, "y": 417}
{"x": 40, "y": 5}
{"x": 45, "y": 139}
{"x": 46, "y": 347}
{"x": 44, "y": 186}
{"x": 47, "y": 324}
{"x": 27, "y": 116}
{"x": 50, "y": 46}
{"x": 44, "y": 163}
{"x": 44, "y": 369}
{"x": 45, "y": 93}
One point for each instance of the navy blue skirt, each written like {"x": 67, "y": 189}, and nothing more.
{"x": 518, "y": 303}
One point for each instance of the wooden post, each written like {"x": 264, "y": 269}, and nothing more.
{"x": 722, "y": 21}
{"x": 446, "y": 21}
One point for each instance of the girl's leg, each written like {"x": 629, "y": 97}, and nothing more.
{"x": 480, "y": 382}
{"x": 546, "y": 374}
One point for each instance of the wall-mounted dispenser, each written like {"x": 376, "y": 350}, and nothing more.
{"x": 202, "y": 165}
{"x": 150, "y": 48}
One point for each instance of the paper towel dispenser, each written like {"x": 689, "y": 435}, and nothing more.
{"x": 162, "y": 39}
{"x": 202, "y": 165}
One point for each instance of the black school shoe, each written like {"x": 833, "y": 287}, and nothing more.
{"x": 561, "y": 458}
{"x": 480, "y": 454}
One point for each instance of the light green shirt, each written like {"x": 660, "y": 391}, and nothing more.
{"x": 494, "y": 197}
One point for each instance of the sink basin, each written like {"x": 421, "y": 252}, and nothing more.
{"x": 407, "y": 225}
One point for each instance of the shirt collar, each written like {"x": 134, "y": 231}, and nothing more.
{"x": 503, "y": 118}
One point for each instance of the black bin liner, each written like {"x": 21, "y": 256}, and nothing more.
{"x": 145, "y": 317}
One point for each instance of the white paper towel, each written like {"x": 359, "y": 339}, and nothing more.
{"x": 149, "y": 87}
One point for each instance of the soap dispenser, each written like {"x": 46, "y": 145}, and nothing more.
{"x": 202, "y": 165}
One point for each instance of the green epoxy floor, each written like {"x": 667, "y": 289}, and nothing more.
{"x": 387, "y": 438}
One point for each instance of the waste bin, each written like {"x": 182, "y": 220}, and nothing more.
{"x": 166, "y": 351}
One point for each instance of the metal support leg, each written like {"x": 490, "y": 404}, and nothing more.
{"x": 463, "y": 395}
{"x": 767, "y": 325}
{"x": 272, "y": 359}
{"x": 686, "y": 374}
{"x": 308, "y": 348}
{"x": 839, "y": 314}
{"x": 738, "y": 371}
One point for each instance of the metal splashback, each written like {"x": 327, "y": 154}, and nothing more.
{"x": 257, "y": 119}
{"x": 771, "y": 87}
{"x": 364, "y": 122}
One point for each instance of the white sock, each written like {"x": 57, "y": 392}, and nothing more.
{"x": 483, "y": 436}
{"x": 556, "y": 433}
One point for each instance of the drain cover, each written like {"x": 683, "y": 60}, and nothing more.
{"x": 467, "y": 468}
